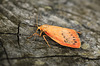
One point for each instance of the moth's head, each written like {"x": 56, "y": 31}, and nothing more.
{"x": 43, "y": 27}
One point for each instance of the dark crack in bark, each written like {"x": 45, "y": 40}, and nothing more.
{"x": 9, "y": 33}
{"x": 52, "y": 56}
{"x": 4, "y": 49}
{"x": 18, "y": 35}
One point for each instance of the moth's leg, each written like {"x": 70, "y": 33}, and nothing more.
{"x": 46, "y": 40}
{"x": 33, "y": 35}
{"x": 39, "y": 34}
{"x": 36, "y": 34}
{"x": 79, "y": 32}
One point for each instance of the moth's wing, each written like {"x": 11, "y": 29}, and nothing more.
{"x": 71, "y": 38}
{"x": 65, "y": 37}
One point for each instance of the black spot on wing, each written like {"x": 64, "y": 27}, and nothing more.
{"x": 65, "y": 41}
{"x": 71, "y": 34}
{"x": 75, "y": 41}
{"x": 63, "y": 35}
{"x": 73, "y": 37}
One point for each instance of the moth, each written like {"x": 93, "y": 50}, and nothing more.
{"x": 63, "y": 36}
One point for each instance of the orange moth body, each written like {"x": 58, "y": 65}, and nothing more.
{"x": 63, "y": 36}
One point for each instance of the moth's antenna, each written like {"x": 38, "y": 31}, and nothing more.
{"x": 37, "y": 18}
